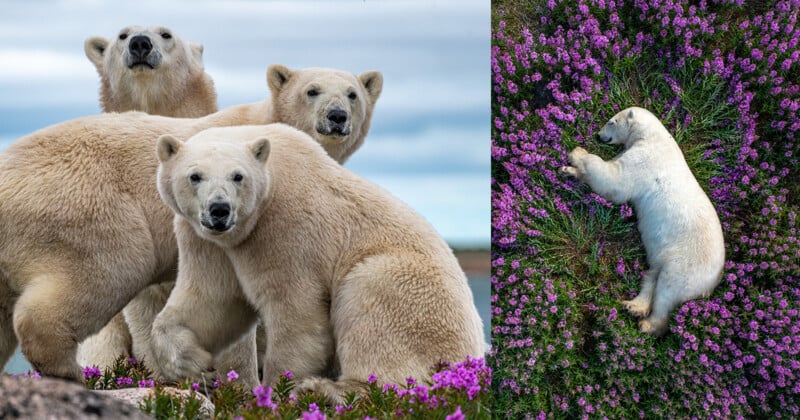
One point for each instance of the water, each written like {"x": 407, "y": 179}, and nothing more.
{"x": 480, "y": 290}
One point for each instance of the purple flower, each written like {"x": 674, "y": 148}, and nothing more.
{"x": 146, "y": 383}
{"x": 314, "y": 415}
{"x": 90, "y": 372}
{"x": 264, "y": 397}
{"x": 232, "y": 376}
{"x": 457, "y": 415}
{"x": 124, "y": 381}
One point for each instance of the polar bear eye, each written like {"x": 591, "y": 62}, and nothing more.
{"x": 352, "y": 96}
{"x": 166, "y": 35}
{"x": 123, "y": 36}
{"x": 238, "y": 178}
{"x": 194, "y": 178}
{"x": 313, "y": 92}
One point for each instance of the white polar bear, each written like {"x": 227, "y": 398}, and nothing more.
{"x": 89, "y": 230}
{"x": 347, "y": 280}
{"x": 151, "y": 69}
{"x": 679, "y": 226}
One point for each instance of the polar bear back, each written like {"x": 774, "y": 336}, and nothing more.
{"x": 675, "y": 216}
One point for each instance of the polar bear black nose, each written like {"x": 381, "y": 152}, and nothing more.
{"x": 219, "y": 211}
{"x": 140, "y": 46}
{"x": 337, "y": 116}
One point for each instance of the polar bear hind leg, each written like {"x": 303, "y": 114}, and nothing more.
{"x": 45, "y": 320}
{"x": 668, "y": 295}
{"x": 641, "y": 305}
{"x": 395, "y": 316}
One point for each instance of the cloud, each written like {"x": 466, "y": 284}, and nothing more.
{"x": 435, "y": 149}
{"x": 22, "y": 65}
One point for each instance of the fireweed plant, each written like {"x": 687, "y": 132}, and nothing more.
{"x": 724, "y": 78}
{"x": 457, "y": 391}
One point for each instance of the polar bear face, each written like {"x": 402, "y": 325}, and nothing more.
{"x": 140, "y": 51}
{"x": 335, "y": 106}
{"x": 214, "y": 183}
{"x": 617, "y": 130}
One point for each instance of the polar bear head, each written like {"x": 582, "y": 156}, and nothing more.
{"x": 215, "y": 180}
{"x": 143, "y": 67}
{"x": 627, "y": 126}
{"x": 334, "y": 106}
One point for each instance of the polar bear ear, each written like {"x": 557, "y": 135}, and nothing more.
{"x": 166, "y": 147}
{"x": 630, "y": 113}
{"x": 260, "y": 149}
{"x": 197, "y": 52}
{"x": 373, "y": 83}
{"x": 277, "y": 76}
{"x": 95, "y": 48}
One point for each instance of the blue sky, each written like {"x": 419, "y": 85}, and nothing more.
{"x": 429, "y": 142}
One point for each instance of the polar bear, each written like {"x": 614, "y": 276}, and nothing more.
{"x": 347, "y": 280}
{"x": 150, "y": 69}
{"x": 89, "y": 230}
{"x": 679, "y": 226}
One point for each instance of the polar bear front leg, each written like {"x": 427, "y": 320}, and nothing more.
{"x": 141, "y": 312}
{"x": 605, "y": 178}
{"x": 299, "y": 335}
{"x": 573, "y": 158}
{"x": 205, "y": 314}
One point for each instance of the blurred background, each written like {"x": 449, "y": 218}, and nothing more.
{"x": 429, "y": 141}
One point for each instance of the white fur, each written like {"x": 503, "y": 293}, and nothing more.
{"x": 679, "y": 226}
{"x": 176, "y": 86}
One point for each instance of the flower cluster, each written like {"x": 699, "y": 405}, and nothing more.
{"x": 722, "y": 78}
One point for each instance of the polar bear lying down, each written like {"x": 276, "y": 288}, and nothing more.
{"x": 679, "y": 226}
{"x": 345, "y": 278}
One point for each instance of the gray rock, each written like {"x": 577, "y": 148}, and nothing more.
{"x": 47, "y": 398}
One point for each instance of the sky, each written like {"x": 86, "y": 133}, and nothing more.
{"x": 429, "y": 141}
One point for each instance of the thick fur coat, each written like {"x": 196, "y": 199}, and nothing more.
{"x": 79, "y": 200}
{"x": 679, "y": 226}
{"x": 347, "y": 280}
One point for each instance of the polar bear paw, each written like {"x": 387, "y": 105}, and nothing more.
{"x": 568, "y": 171}
{"x": 575, "y": 155}
{"x": 333, "y": 391}
{"x": 180, "y": 357}
{"x": 653, "y": 327}
{"x": 637, "y": 308}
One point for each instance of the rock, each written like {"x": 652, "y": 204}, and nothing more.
{"x": 48, "y": 398}
{"x": 134, "y": 396}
